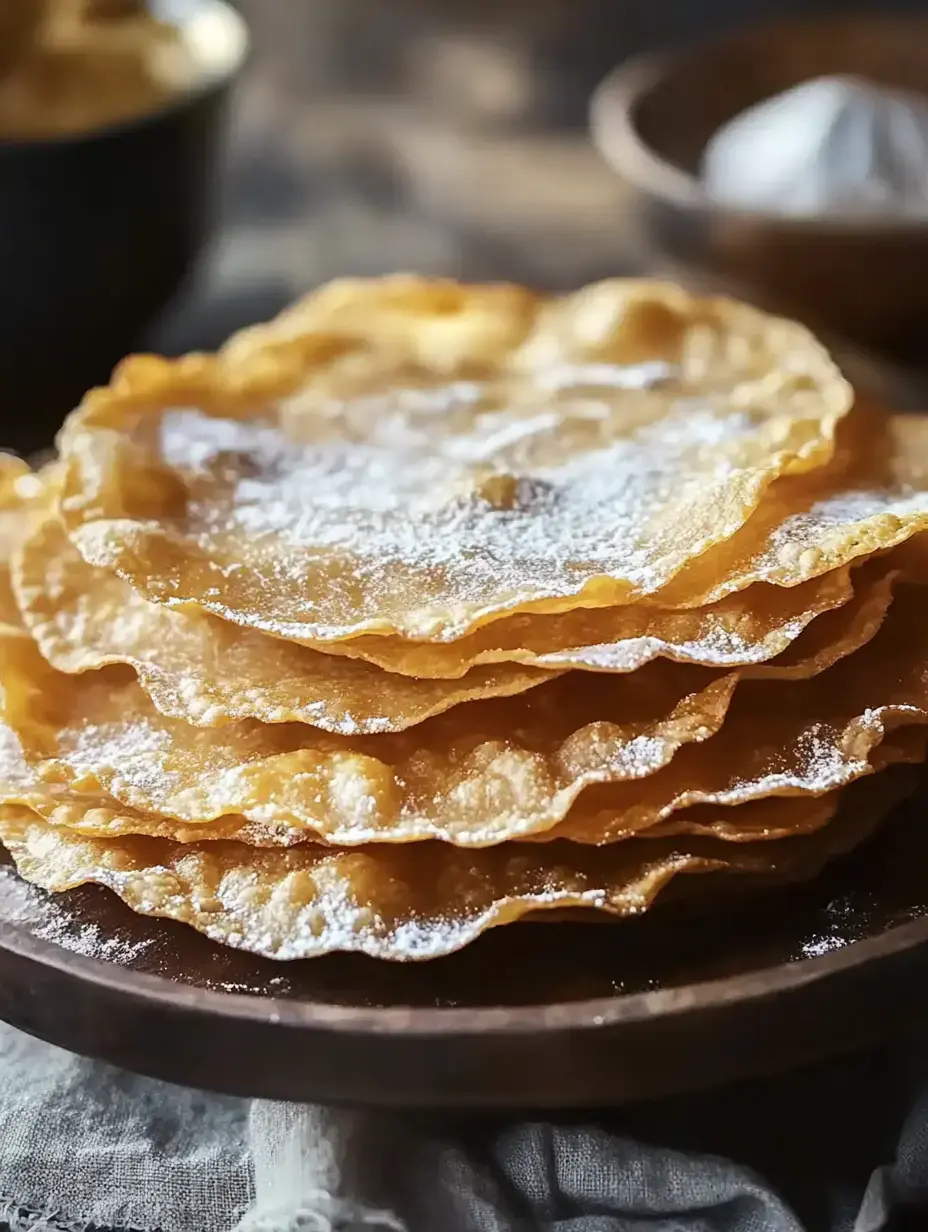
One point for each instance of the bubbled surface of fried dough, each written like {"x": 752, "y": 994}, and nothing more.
{"x": 330, "y": 483}
{"x": 95, "y": 814}
{"x": 806, "y": 737}
{"x": 91, "y": 811}
{"x": 402, "y": 903}
{"x": 479, "y": 774}
{"x": 12, "y": 470}
{"x": 208, "y": 672}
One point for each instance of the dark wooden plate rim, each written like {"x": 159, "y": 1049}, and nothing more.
{"x": 592, "y": 1014}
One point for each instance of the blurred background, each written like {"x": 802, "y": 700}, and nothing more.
{"x": 445, "y": 136}
{"x": 440, "y": 136}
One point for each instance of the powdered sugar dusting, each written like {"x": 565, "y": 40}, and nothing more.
{"x": 27, "y": 908}
{"x": 351, "y": 503}
{"x": 476, "y": 777}
{"x": 208, "y": 672}
{"x": 93, "y": 940}
{"x": 428, "y": 505}
{"x": 406, "y": 903}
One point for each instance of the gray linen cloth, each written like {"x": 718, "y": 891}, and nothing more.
{"x": 85, "y": 1146}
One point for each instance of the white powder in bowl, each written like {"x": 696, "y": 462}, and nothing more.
{"x": 834, "y": 145}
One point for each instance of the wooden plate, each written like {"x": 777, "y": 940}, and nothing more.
{"x": 532, "y": 1015}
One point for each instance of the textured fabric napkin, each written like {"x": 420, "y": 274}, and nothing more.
{"x": 85, "y": 1146}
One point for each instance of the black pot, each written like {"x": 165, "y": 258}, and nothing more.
{"x": 97, "y": 233}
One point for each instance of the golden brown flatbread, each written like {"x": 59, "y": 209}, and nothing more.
{"x": 335, "y": 484}
{"x": 409, "y": 902}
{"x": 481, "y": 773}
{"x": 208, "y": 672}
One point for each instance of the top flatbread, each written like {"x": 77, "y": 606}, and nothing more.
{"x": 338, "y": 483}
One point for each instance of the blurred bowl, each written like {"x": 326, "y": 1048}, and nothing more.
{"x": 653, "y": 117}
{"x": 99, "y": 230}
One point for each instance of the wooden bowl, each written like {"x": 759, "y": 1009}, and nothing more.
{"x": 653, "y": 117}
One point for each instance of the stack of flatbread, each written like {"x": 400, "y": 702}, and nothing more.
{"x": 426, "y": 607}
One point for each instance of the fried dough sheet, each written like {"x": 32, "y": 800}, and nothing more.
{"x": 478, "y": 775}
{"x": 838, "y": 633}
{"x": 98, "y": 815}
{"x": 807, "y": 737}
{"x": 750, "y": 627}
{"x": 321, "y": 489}
{"x": 779, "y": 817}
{"x": 481, "y": 773}
{"x": 436, "y": 324}
{"x": 209, "y": 672}
{"x": 18, "y": 488}
{"x": 404, "y": 903}
{"x": 12, "y": 471}
{"x": 871, "y": 497}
